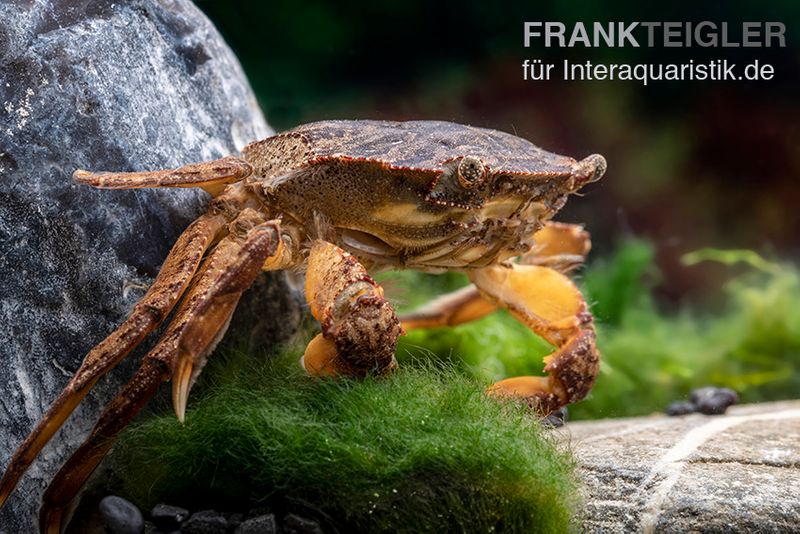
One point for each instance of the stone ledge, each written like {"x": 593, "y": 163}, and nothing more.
{"x": 738, "y": 472}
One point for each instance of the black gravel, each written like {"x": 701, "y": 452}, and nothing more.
{"x": 713, "y": 401}
{"x": 121, "y": 516}
{"x": 205, "y": 522}
{"x": 707, "y": 400}
{"x": 262, "y": 524}
{"x": 681, "y": 408}
{"x": 556, "y": 419}
{"x": 294, "y": 524}
{"x": 168, "y": 518}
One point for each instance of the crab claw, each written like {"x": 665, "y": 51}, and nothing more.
{"x": 359, "y": 326}
{"x": 550, "y": 305}
{"x": 572, "y": 370}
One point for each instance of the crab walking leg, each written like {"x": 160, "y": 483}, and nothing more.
{"x": 210, "y": 175}
{"x": 560, "y": 246}
{"x": 550, "y": 304}
{"x": 451, "y": 309}
{"x": 200, "y": 326}
{"x": 148, "y": 314}
{"x": 199, "y": 323}
{"x": 359, "y": 326}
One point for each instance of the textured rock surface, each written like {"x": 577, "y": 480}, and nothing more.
{"x": 738, "y": 472}
{"x": 111, "y": 85}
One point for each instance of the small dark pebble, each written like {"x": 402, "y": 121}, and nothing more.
{"x": 263, "y": 524}
{"x": 205, "y": 522}
{"x": 713, "y": 401}
{"x": 556, "y": 419}
{"x": 168, "y": 517}
{"x": 294, "y": 524}
{"x": 681, "y": 408}
{"x": 121, "y": 516}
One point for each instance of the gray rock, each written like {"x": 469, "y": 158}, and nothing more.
{"x": 680, "y": 408}
{"x": 556, "y": 419}
{"x": 738, "y": 472}
{"x": 121, "y": 516}
{"x": 168, "y": 517}
{"x": 205, "y": 522}
{"x": 263, "y": 524}
{"x": 713, "y": 400}
{"x": 104, "y": 85}
{"x": 294, "y": 524}
{"x": 234, "y": 519}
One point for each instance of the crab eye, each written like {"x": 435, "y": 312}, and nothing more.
{"x": 471, "y": 171}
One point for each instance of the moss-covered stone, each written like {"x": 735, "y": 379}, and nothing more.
{"x": 421, "y": 451}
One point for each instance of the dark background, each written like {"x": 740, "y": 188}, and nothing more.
{"x": 691, "y": 164}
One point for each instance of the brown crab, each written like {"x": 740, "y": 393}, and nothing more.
{"x": 339, "y": 198}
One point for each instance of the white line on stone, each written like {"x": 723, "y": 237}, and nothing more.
{"x": 28, "y": 395}
{"x": 673, "y": 461}
{"x": 61, "y": 368}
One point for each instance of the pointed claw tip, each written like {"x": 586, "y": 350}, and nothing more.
{"x": 180, "y": 409}
{"x": 180, "y": 388}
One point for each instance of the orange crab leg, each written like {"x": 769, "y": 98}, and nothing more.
{"x": 550, "y": 304}
{"x": 359, "y": 326}
{"x": 458, "y": 307}
{"x": 147, "y": 315}
{"x": 560, "y": 246}
{"x": 199, "y": 323}
{"x": 210, "y": 175}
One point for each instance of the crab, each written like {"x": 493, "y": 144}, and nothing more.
{"x": 341, "y": 199}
